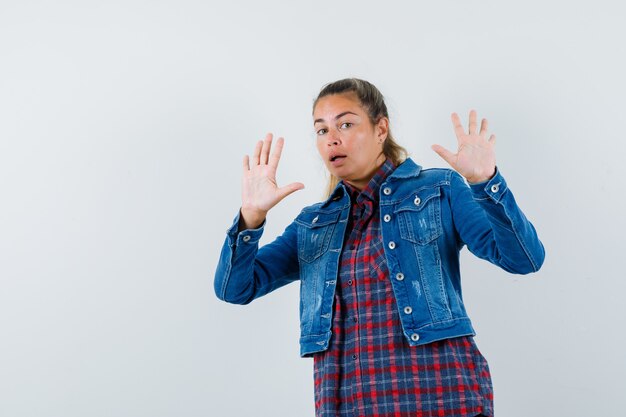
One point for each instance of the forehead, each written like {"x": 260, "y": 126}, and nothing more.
{"x": 330, "y": 106}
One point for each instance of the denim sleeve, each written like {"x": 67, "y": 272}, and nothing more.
{"x": 245, "y": 272}
{"x": 493, "y": 227}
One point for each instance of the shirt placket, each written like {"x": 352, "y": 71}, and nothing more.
{"x": 352, "y": 285}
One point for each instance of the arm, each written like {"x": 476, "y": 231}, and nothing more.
{"x": 494, "y": 228}
{"x": 245, "y": 272}
{"x": 485, "y": 214}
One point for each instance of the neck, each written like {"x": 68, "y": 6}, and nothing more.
{"x": 360, "y": 183}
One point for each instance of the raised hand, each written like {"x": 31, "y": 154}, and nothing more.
{"x": 475, "y": 158}
{"x": 259, "y": 191}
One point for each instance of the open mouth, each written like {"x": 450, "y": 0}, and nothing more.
{"x": 334, "y": 158}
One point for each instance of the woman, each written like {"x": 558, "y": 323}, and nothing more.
{"x": 381, "y": 309}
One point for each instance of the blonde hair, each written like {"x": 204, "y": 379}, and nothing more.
{"x": 373, "y": 102}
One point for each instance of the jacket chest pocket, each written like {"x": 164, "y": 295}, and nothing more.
{"x": 419, "y": 216}
{"x": 314, "y": 234}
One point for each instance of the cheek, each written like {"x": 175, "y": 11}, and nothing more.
{"x": 369, "y": 149}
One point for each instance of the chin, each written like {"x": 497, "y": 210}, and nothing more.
{"x": 337, "y": 174}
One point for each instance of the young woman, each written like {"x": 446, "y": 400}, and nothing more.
{"x": 381, "y": 307}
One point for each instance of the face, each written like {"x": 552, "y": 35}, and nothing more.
{"x": 350, "y": 146}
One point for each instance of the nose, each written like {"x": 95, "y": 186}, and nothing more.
{"x": 332, "y": 137}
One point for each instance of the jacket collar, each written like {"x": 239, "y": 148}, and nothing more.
{"x": 370, "y": 191}
{"x": 407, "y": 169}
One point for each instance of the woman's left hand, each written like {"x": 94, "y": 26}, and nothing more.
{"x": 476, "y": 158}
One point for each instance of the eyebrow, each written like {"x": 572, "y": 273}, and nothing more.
{"x": 340, "y": 115}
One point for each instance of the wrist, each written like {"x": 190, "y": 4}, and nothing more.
{"x": 482, "y": 178}
{"x": 251, "y": 218}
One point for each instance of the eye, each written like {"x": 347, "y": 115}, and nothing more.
{"x": 346, "y": 125}
{"x": 321, "y": 131}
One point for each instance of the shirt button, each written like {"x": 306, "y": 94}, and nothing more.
{"x": 408, "y": 310}
{"x": 415, "y": 337}
{"x": 349, "y": 282}
{"x": 246, "y": 238}
{"x": 354, "y": 357}
{"x": 417, "y": 201}
{"x": 399, "y": 276}
{"x": 392, "y": 245}
{"x": 387, "y": 218}
{"x": 354, "y": 319}
{"x": 315, "y": 219}
{"x": 495, "y": 188}
{"x": 387, "y": 191}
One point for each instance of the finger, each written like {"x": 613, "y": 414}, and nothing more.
{"x": 483, "y": 127}
{"x": 246, "y": 163}
{"x": 265, "y": 151}
{"x": 458, "y": 128}
{"x": 448, "y": 156}
{"x": 472, "y": 122}
{"x": 257, "y": 153}
{"x": 492, "y": 139}
{"x": 276, "y": 152}
{"x": 290, "y": 188}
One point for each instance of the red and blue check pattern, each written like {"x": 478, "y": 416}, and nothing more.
{"x": 369, "y": 369}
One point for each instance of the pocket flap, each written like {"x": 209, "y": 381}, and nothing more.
{"x": 314, "y": 219}
{"x": 418, "y": 200}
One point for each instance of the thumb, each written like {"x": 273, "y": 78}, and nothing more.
{"x": 289, "y": 188}
{"x": 448, "y": 156}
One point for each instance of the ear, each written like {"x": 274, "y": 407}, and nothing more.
{"x": 382, "y": 129}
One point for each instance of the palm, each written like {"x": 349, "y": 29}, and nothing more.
{"x": 259, "y": 188}
{"x": 259, "y": 191}
{"x": 475, "y": 158}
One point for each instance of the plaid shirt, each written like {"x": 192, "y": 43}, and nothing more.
{"x": 369, "y": 369}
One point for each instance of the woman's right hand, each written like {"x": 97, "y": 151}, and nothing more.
{"x": 259, "y": 191}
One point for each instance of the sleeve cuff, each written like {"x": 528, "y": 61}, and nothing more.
{"x": 492, "y": 189}
{"x": 246, "y": 236}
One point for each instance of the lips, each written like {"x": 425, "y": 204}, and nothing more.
{"x": 335, "y": 157}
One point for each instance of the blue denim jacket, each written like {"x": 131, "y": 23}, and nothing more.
{"x": 427, "y": 216}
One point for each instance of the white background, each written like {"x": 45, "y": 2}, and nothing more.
{"x": 122, "y": 129}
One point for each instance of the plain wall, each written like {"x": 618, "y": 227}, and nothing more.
{"x": 122, "y": 129}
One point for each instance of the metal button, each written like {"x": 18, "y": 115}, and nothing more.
{"x": 392, "y": 245}
{"x": 246, "y": 238}
{"x": 415, "y": 337}
{"x": 315, "y": 219}
{"x": 495, "y": 188}
{"x": 399, "y": 276}
{"x": 417, "y": 201}
{"x": 387, "y": 218}
{"x": 387, "y": 191}
{"x": 408, "y": 310}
